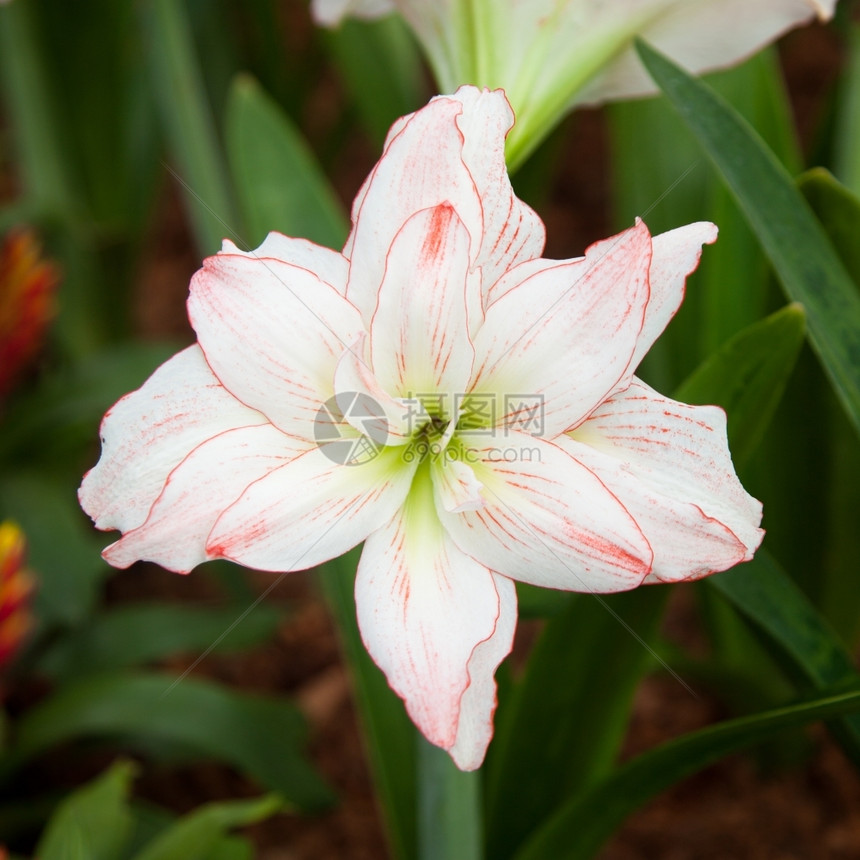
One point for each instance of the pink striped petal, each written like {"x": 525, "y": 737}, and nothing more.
{"x": 311, "y": 509}
{"x": 513, "y": 232}
{"x": 272, "y": 333}
{"x": 669, "y": 464}
{"x": 566, "y": 334}
{"x": 393, "y": 424}
{"x": 410, "y": 177}
{"x": 197, "y": 491}
{"x": 150, "y": 431}
{"x": 674, "y": 256}
{"x": 475, "y": 727}
{"x": 329, "y": 266}
{"x": 546, "y": 519}
{"x": 434, "y": 621}
{"x": 419, "y": 335}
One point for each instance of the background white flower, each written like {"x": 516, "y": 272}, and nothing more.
{"x": 549, "y": 55}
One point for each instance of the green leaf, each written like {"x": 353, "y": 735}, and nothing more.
{"x": 564, "y": 723}
{"x": 391, "y": 737}
{"x": 278, "y": 181}
{"x": 808, "y": 267}
{"x": 62, "y": 551}
{"x": 847, "y": 154}
{"x": 133, "y": 635}
{"x": 55, "y": 421}
{"x": 747, "y": 376}
{"x": 195, "y": 835}
{"x": 768, "y": 597}
{"x": 583, "y": 824}
{"x": 449, "y": 811}
{"x": 379, "y": 65}
{"x": 659, "y": 173}
{"x": 188, "y": 123}
{"x": 259, "y": 736}
{"x": 838, "y": 209}
{"x": 94, "y": 822}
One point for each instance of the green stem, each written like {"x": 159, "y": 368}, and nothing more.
{"x": 449, "y": 807}
{"x": 388, "y": 732}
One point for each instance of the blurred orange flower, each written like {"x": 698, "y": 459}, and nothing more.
{"x": 27, "y": 303}
{"x": 16, "y": 587}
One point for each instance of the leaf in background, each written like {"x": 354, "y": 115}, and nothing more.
{"x": 763, "y": 593}
{"x": 578, "y": 830}
{"x": 660, "y": 174}
{"x": 563, "y": 725}
{"x": 56, "y": 421}
{"x": 196, "y": 835}
{"x": 380, "y": 67}
{"x": 188, "y": 124}
{"x": 278, "y": 181}
{"x": 838, "y": 209}
{"x": 793, "y": 239}
{"x": 747, "y": 377}
{"x": 63, "y": 553}
{"x": 391, "y": 737}
{"x": 847, "y": 155}
{"x": 132, "y": 635}
{"x": 260, "y": 737}
{"x": 836, "y": 590}
{"x": 94, "y": 822}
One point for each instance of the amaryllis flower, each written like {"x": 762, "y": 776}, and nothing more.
{"x": 551, "y": 54}
{"x": 441, "y": 392}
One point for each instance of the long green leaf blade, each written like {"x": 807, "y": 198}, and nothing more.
{"x": 747, "y": 376}
{"x": 188, "y": 124}
{"x": 260, "y": 737}
{"x": 143, "y": 633}
{"x": 769, "y": 598}
{"x": 799, "y": 250}
{"x": 581, "y": 827}
{"x": 554, "y": 734}
{"x": 278, "y": 181}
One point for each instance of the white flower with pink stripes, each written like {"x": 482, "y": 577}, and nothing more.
{"x": 488, "y": 401}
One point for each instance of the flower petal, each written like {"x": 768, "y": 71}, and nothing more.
{"x": 386, "y": 419}
{"x": 465, "y": 168}
{"x": 409, "y": 177}
{"x": 329, "y": 13}
{"x": 546, "y": 518}
{"x": 674, "y": 256}
{"x": 424, "y": 611}
{"x": 568, "y": 333}
{"x": 150, "y": 431}
{"x": 457, "y": 487}
{"x": 329, "y": 266}
{"x": 699, "y": 35}
{"x": 273, "y": 333}
{"x": 513, "y": 232}
{"x": 669, "y": 464}
{"x": 197, "y": 491}
{"x": 313, "y": 508}
{"x": 419, "y": 335}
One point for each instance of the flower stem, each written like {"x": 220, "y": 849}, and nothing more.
{"x": 449, "y": 807}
